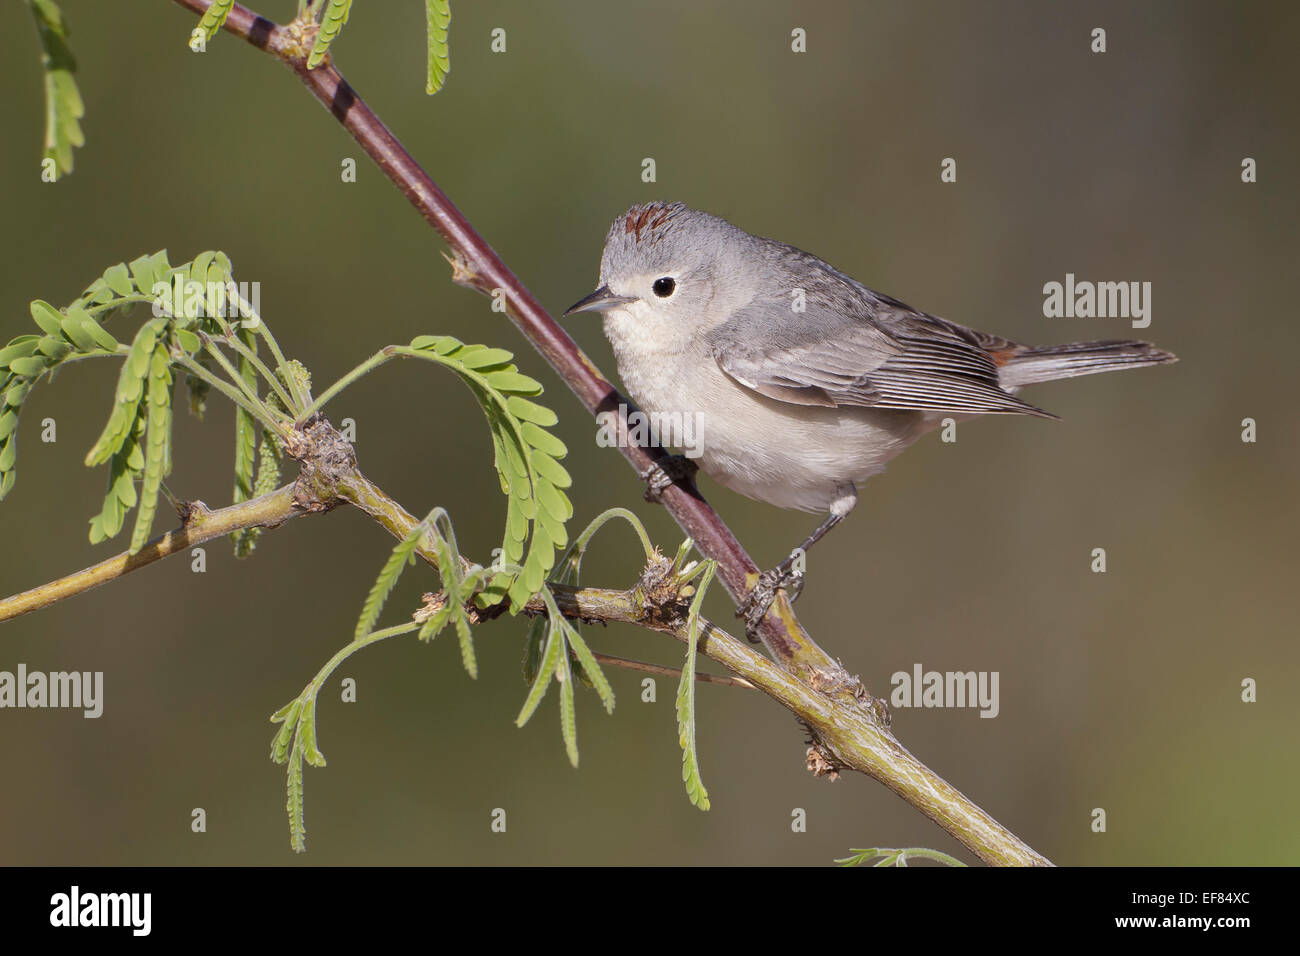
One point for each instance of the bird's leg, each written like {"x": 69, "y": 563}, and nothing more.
{"x": 670, "y": 470}
{"x": 784, "y": 576}
{"x": 788, "y": 574}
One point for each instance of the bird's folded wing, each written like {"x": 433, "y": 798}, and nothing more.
{"x": 886, "y": 356}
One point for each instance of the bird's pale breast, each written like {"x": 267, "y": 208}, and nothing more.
{"x": 792, "y": 456}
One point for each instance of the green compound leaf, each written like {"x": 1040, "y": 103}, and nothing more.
{"x": 695, "y": 790}
{"x": 526, "y": 459}
{"x": 532, "y": 662}
{"x": 214, "y": 16}
{"x": 307, "y": 732}
{"x": 288, "y": 717}
{"x": 245, "y": 446}
{"x": 569, "y": 571}
{"x": 550, "y": 659}
{"x": 157, "y": 444}
{"x": 63, "y": 106}
{"x": 111, "y": 293}
{"x": 591, "y": 668}
{"x": 294, "y": 802}
{"x": 459, "y": 582}
{"x": 541, "y": 665}
{"x": 332, "y": 20}
{"x": 125, "y": 468}
{"x": 568, "y": 719}
{"x": 295, "y": 742}
{"x": 437, "y": 16}
{"x": 73, "y": 331}
{"x": 142, "y": 400}
{"x": 13, "y": 391}
{"x": 130, "y": 389}
{"x": 457, "y": 588}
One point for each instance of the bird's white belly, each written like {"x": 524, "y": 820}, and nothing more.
{"x": 792, "y": 456}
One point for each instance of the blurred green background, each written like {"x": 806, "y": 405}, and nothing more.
{"x": 1118, "y": 690}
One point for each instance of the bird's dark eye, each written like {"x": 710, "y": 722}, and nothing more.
{"x": 664, "y": 287}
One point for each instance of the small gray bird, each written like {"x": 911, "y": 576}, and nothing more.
{"x": 803, "y": 382}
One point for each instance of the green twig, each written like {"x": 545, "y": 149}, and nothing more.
{"x": 369, "y": 365}
{"x": 272, "y": 379}
{"x": 245, "y": 308}
{"x": 238, "y": 396}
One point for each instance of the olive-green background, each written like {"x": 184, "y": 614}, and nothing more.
{"x": 1118, "y": 690}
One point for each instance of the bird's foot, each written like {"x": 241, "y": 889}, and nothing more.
{"x": 753, "y": 608}
{"x": 672, "y": 470}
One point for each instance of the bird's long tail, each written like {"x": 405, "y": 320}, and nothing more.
{"x": 1031, "y": 364}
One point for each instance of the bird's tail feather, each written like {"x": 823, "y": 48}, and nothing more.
{"x": 1032, "y": 364}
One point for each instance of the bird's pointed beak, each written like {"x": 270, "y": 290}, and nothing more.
{"x": 599, "y": 301}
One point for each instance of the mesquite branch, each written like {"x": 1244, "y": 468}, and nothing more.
{"x": 850, "y": 729}
{"x": 479, "y": 267}
{"x": 854, "y": 737}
